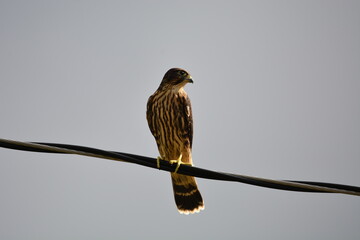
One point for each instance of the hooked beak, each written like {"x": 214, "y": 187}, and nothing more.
{"x": 189, "y": 79}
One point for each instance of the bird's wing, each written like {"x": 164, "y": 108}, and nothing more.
{"x": 188, "y": 119}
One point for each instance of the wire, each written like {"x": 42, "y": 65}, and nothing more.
{"x": 300, "y": 186}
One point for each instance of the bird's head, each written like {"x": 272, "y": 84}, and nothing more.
{"x": 176, "y": 78}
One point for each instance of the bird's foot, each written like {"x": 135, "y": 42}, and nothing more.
{"x": 178, "y": 163}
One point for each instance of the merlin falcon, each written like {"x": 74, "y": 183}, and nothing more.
{"x": 170, "y": 120}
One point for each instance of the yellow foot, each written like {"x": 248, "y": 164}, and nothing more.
{"x": 178, "y": 163}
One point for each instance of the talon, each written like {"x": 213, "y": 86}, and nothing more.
{"x": 178, "y": 163}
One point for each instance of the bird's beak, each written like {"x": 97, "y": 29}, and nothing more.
{"x": 189, "y": 79}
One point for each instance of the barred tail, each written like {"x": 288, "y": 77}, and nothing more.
{"x": 187, "y": 195}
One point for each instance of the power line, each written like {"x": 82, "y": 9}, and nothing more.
{"x": 300, "y": 186}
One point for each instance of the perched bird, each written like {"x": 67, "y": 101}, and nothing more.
{"x": 170, "y": 120}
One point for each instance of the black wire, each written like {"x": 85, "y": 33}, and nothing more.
{"x": 185, "y": 169}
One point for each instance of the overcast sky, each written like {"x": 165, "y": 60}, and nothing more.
{"x": 276, "y": 94}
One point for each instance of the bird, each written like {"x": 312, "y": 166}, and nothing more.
{"x": 170, "y": 120}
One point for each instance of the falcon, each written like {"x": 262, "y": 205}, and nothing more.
{"x": 170, "y": 121}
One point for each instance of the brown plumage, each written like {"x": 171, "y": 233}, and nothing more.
{"x": 170, "y": 121}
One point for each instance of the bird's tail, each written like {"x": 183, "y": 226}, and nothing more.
{"x": 187, "y": 195}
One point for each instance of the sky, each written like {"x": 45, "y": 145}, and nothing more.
{"x": 275, "y": 95}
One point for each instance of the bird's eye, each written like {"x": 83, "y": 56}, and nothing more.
{"x": 183, "y": 73}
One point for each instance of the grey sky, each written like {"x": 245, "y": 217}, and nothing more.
{"x": 276, "y": 95}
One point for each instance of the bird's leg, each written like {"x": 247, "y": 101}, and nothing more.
{"x": 178, "y": 163}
